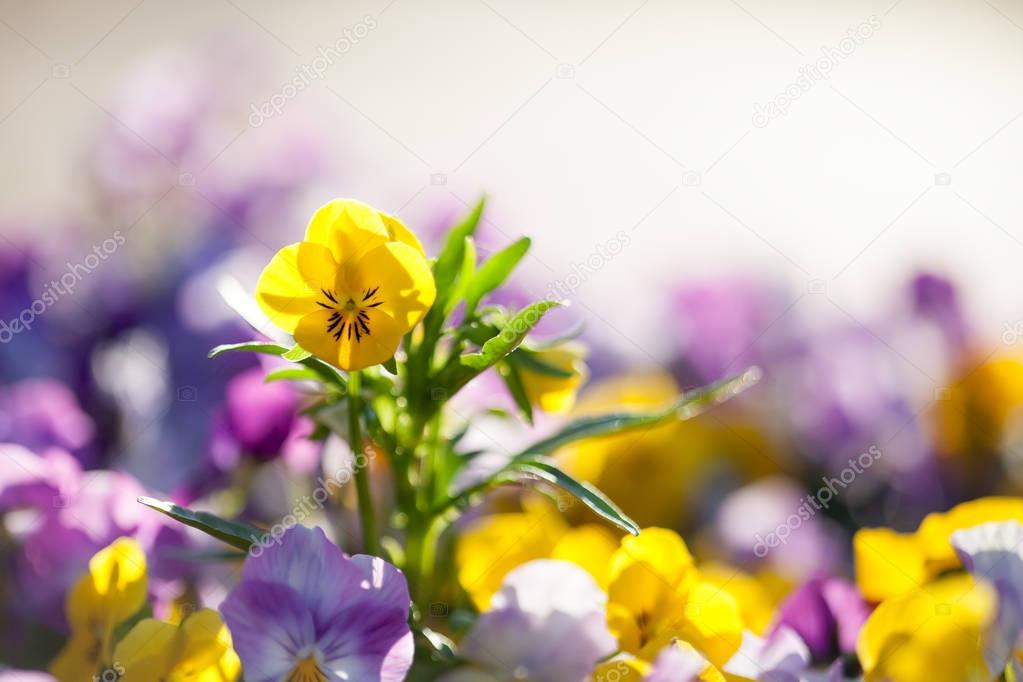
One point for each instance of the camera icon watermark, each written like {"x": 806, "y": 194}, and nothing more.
{"x": 187, "y": 394}
{"x": 943, "y": 393}
{"x": 438, "y": 179}
{"x": 817, "y": 286}
{"x": 943, "y": 179}
{"x": 186, "y": 179}
{"x": 438, "y": 610}
{"x": 565, "y": 71}
{"x": 691, "y": 179}
{"x": 60, "y": 70}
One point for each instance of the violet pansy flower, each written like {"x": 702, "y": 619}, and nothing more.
{"x": 547, "y": 623}
{"x": 306, "y": 611}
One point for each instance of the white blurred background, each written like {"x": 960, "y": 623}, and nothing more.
{"x": 583, "y": 121}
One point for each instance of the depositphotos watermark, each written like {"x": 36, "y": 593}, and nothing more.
{"x": 815, "y": 502}
{"x": 313, "y": 71}
{"x": 814, "y": 72}
{"x": 58, "y": 288}
{"x": 602, "y": 255}
{"x": 310, "y": 504}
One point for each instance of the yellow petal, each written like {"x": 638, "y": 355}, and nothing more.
{"x": 348, "y": 228}
{"x": 589, "y": 546}
{"x": 79, "y": 655}
{"x": 490, "y": 547}
{"x": 936, "y": 529}
{"x": 206, "y": 654}
{"x": 397, "y": 231}
{"x": 292, "y": 282}
{"x": 712, "y": 623}
{"x": 756, "y": 596}
{"x": 146, "y": 652}
{"x": 888, "y": 563}
{"x": 402, "y": 278}
{"x": 662, "y": 550}
{"x": 354, "y": 348}
{"x": 555, "y": 394}
{"x": 931, "y": 634}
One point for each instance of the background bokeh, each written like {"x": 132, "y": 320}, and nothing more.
{"x": 827, "y": 190}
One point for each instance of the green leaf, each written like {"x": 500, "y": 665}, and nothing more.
{"x": 292, "y": 374}
{"x": 236, "y": 534}
{"x": 513, "y": 381}
{"x": 249, "y": 347}
{"x": 297, "y": 354}
{"x": 452, "y": 255}
{"x": 465, "y": 275}
{"x": 494, "y": 271}
{"x": 494, "y": 349}
{"x": 584, "y": 492}
{"x": 689, "y": 405}
{"x": 526, "y": 359}
{"x": 391, "y": 365}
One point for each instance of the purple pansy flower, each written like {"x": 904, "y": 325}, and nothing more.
{"x": 827, "y": 613}
{"x": 43, "y": 413}
{"x": 547, "y": 623}
{"x": 994, "y": 552}
{"x": 305, "y": 610}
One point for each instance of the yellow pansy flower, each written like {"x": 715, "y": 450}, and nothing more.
{"x": 490, "y": 547}
{"x": 555, "y": 394}
{"x": 349, "y": 291}
{"x": 657, "y": 597}
{"x": 197, "y": 650}
{"x": 931, "y": 634}
{"x": 113, "y": 591}
{"x": 889, "y": 563}
{"x": 654, "y": 473}
{"x": 679, "y": 660}
{"x": 757, "y": 595}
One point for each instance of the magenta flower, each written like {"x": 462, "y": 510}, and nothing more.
{"x": 306, "y": 611}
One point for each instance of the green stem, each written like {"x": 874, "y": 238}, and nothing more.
{"x": 367, "y": 516}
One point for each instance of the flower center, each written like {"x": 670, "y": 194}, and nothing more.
{"x": 307, "y": 670}
{"x": 351, "y": 317}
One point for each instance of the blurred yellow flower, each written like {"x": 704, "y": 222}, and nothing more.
{"x": 654, "y": 473}
{"x": 112, "y": 592}
{"x": 199, "y": 650}
{"x": 757, "y": 595}
{"x": 490, "y": 547}
{"x": 349, "y": 291}
{"x": 625, "y": 669}
{"x": 980, "y": 407}
{"x": 657, "y": 597}
{"x": 889, "y": 563}
{"x": 551, "y": 393}
{"x": 931, "y": 634}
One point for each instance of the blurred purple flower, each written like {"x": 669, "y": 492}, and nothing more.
{"x": 74, "y": 515}
{"x": 763, "y": 522}
{"x": 827, "y": 613}
{"x": 43, "y": 413}
{"x": 935, "y": 298}
{"x": 306, "y": 610}
{"x": 780, "y": 657}
{"x": 721, "y": 325}
{"x": 260, "y": 420}
{"x": 546, "y": 623}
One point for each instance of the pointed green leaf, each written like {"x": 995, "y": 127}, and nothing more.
{"x": 513, "y": 381}
{"x": 689, "y": 405}
{"x": 465, "y": 275}
{"x": 249, "y": 347}
{"x": 494, "y": 271}
{"x": 236, "y": 534}
{"x": 526, "y": 359}
{"x": 452, "y": 255}
{"x": 297, "y": 354}
{"x": 584, "y": 492}
{"x": 292, "y": 374}
{"x": 454, "y": 377}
